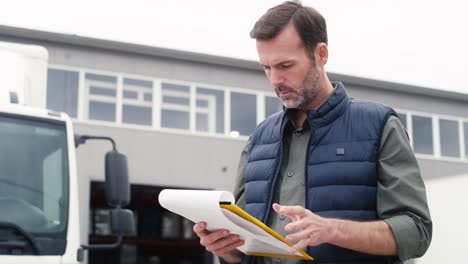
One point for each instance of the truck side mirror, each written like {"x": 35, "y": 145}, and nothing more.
{"x": 117, "y": 195}
{"x": 117, "y": 186}
{"x": 122, "y": 222}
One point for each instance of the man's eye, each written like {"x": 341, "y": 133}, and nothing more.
{"x": 285, "y": 66}
{"x": 266, "y": 68}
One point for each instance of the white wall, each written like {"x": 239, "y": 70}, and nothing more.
{"x": 448, "y": 203}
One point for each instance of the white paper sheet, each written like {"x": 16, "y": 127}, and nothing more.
{"x": 203, "y": 206}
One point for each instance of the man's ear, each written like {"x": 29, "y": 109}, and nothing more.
{"x": 321, "y": 53}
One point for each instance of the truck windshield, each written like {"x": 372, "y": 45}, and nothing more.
{"x": 34, "y": 180}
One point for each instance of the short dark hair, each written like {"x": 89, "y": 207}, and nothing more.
{"x": 309, "y": 23}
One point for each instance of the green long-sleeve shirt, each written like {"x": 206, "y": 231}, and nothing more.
{"x": 401, "y": 197}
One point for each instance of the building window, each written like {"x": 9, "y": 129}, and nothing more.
{"x": 422, "y": 135}
{"x": 272, "y": 105}
{"x": 449, "y": 138}
{"x": 465, "y": 129}
{"x": 403, "y": 119}
{"x": 175, "y": 106}
{"x": 62, "y": 91}
{"x": 137, "y": 102}
{"x": 209, "y": 110}
{"x": 102, "y": 94}
{"x": 243, "y": 113}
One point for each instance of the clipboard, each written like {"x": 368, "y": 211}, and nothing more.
{"x": 218, "y": 210}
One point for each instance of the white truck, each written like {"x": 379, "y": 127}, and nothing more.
{"x": 39, "y": 200}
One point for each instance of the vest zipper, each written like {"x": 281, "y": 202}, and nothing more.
{"x": 306, "y": 169}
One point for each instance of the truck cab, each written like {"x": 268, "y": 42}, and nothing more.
{"x": 38, "y": 187}
{"x": 39, "y": 203}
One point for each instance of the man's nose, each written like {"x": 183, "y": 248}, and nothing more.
{"x": 276, "y": 78}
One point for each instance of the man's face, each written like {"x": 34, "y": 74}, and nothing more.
{"x": 290, "y": 69}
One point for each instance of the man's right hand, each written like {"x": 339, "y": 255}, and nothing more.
{"x": 220, "y": 242}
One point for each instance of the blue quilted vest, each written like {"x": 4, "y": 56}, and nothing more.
{"x": 341, "y": 167}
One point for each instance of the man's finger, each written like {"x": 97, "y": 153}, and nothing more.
{"x": 299, "y": 224}
{"x": 200, "y": 229}
{"x": 298, "y": 235}
{"x": 290, "y": 211}
{"x": 223, "y": 242}
{"x": 276, "y": 207}
{"x": 229, "y": 248}
{"x": 213, "y": 237}
{"x": 300, "y": 245}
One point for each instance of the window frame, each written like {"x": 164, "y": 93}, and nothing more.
{"x": 258, "y": 104}
{"x": 156, "y": 106}
{"x": 88, "y": 97}
{"x": 463, "y": 140}
{"x": 175, "y": 107}
{"x": 436, "y": 134}
{"x": 140, "y": 91}
{"x": 457, "y": 121}
{"x": 83, "y": 100}
{"x": 68, "y": 69}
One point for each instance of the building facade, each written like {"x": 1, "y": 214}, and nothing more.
{"x": 183, "y": 118}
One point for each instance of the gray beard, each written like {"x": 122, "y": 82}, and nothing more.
{"x": 310, "y": 94}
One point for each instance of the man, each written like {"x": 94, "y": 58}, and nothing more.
{"x": 336, "y": 176}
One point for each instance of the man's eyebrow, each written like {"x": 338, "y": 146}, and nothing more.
{"x": 284, "y": 62}
{"x": 278, "y": 63}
